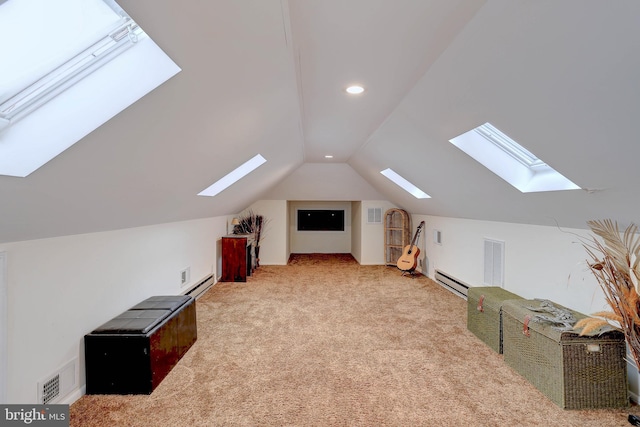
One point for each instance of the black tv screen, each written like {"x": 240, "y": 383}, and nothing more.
{"x": 320, "y": 220}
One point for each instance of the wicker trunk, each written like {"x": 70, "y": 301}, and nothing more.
{"x": 484, "y": 318}
{"x": 574, "y": 372}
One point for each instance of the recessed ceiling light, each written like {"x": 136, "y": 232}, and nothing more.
{"x": 328, "y": 156}
{"x": 355, "y": 89}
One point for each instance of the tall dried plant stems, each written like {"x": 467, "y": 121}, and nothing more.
{"x": 251, "y": 223}
{"x": 614, "y": 263}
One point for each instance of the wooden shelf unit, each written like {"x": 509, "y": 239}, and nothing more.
{"x": 397, "y": 234}
{"x": 238, "y": 260}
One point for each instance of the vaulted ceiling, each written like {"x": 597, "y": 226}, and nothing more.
{"x": 268, "y": 77}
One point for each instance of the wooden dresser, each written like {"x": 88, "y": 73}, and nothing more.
{"x": 238, "y": 260}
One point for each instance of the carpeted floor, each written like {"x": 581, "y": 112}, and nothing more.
{"x": 324, "y": 341}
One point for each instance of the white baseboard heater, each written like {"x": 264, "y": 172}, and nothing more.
{"x": 452, "y": 284}
{"x": 200, "y": 288}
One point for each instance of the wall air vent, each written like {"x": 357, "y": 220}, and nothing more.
{"x": 50, "y": 389}
{"x": 437, "y": 237}
{"x": 374, "y": 216}
{"x": 493, "y": 263}
{"x": 59, "y": 384}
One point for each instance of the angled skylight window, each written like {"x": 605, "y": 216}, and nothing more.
{"x": 70, "y": 66}
{"x": 233, "y": 176}
{"x": 511, "y": 161}
{"x": 406, "y": 185}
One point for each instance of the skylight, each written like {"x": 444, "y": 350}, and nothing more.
{"x": 79, "y": 63}
{"x": 406, "y": 185}
{"x": 233, "y": 176}
{"x": 511, "y": 161}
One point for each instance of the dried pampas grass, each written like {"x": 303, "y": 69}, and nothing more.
{"x": 614, "y": 262}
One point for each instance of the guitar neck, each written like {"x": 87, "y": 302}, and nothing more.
{"x": 415, "y": 236}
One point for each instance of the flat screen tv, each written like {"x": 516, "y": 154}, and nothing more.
{"x": 320, "y": 220}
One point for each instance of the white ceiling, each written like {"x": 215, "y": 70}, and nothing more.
{"x": 268, "y": 77}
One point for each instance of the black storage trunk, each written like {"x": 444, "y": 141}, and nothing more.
{"x": 134, "y": 352}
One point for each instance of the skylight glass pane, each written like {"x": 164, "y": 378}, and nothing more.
{"x": 508, "y": 145}
{"x": 44, "y": 34}
{"x": 233, "y": 176}
{"x": 406, "y": 185}
{"x": 510, "y": 160}
{"x": 81, "y": 63}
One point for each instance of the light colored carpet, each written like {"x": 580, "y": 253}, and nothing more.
{"x": 324, "y": 341}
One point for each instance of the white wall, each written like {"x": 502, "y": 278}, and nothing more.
{"x": 3, "y": 327}
{"x": 366, "y": 240}
{"x": 320, "y": 241}
{"x": 288, "y": 227}
{"x": 273, "y": 243}
{"x": 372, "y": 235}
{"x": 356, "y": 231}
{"x": 540, "y": 262}
{"x": 60, "y": 289}
{"x": 323, "y": 181}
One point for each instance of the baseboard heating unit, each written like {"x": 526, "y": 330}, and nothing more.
{"x": 199, "y": 289}
{"x": 452, "y": 284}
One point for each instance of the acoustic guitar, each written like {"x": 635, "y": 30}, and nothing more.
{"x": 409, "y": 258}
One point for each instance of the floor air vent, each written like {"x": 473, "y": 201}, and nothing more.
{"x": 58, "y": 385}
{"x": 452, "y": 284}
{"x": 50, "y": 389}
